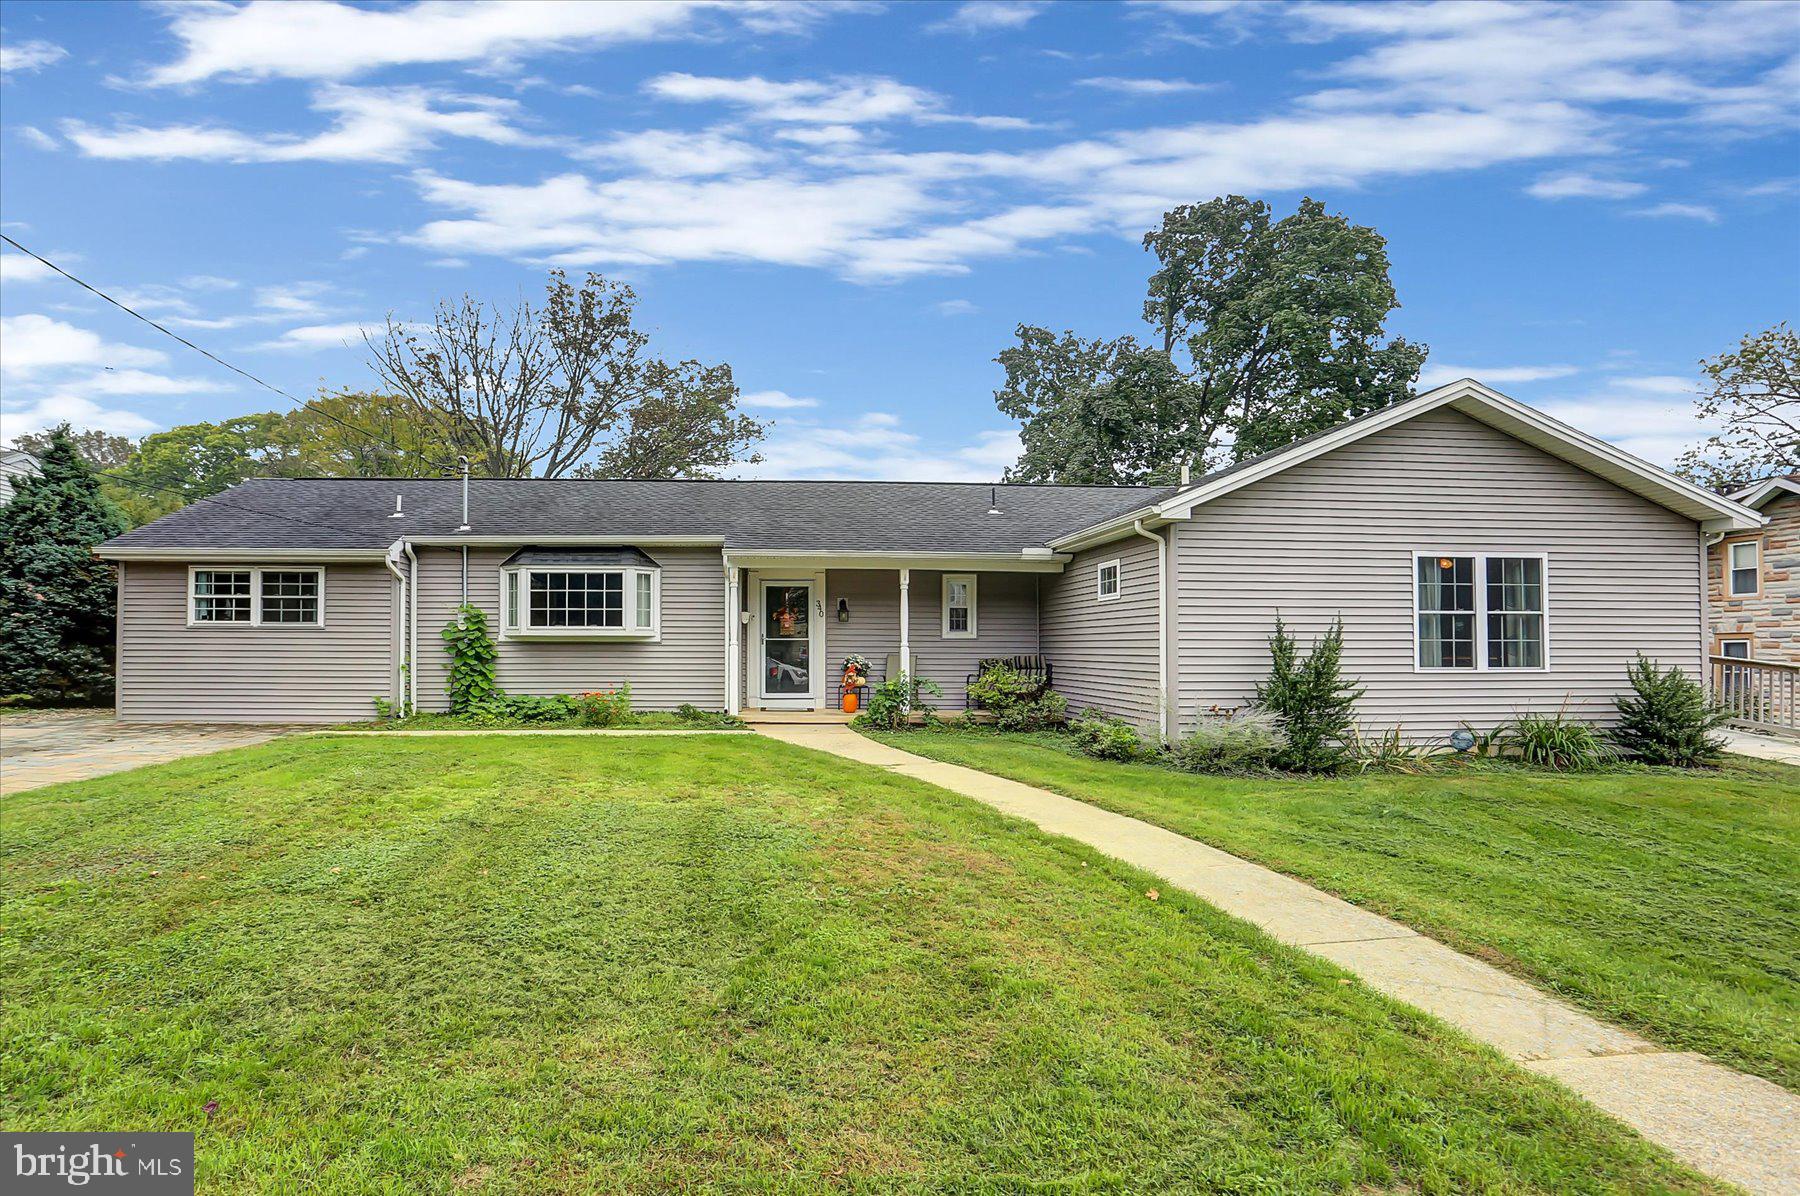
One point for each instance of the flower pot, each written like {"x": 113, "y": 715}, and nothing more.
{"x": 850, "y": 702}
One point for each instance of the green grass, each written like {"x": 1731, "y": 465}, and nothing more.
{"x": 1664, "y": 900}
{"x": 719, "y": 964}
{"x": 644, "y": 720}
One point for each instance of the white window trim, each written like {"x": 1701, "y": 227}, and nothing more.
{"x": 628, "y": 601}
{"x": 1481, "y": 608}
{"x": 1749, "y": 643}
{"x": 944, "y": 606}
{"x": 256, "y": 619}
{"x": 1100, "y": 594}
{"x": 1731, "y": 547}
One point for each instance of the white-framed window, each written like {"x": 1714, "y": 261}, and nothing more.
{"x": 1736, "y": 649}
{"x": 1106, "y": 581}
{"x": 575, "y": 602}
{"x": 959, "y": 606}
{"x": 1743, "y": 568}
{"x": 252, "y": 596}
{"x": 1481, "y": 611}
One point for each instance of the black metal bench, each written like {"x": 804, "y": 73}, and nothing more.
{"x": 1035, "y": 668}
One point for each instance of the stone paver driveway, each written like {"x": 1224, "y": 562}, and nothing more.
{"x": 42, "y": 747}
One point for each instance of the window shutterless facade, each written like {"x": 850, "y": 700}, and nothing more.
{"x": 570, "y": 603}
{"x": 1743, "y": 568}
{"x": 253, "y": 597}
{"x": 1478, "y": 611}
{"x": 959, "y": 606}
{"x": 1106, "y": 582}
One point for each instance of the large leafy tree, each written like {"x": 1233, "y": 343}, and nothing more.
{"x": 1753, "y": 391}
{"x": 567, "y": 387}
{"x": 1265, "y": 331}
{"x": 100, "y": 450}
{"x": 56, "y": 599}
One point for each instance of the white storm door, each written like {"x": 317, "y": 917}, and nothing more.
{"x": 788, "y": 622}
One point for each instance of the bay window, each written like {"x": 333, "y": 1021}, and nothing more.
{"x": 581, "y": 593}
{"x": 247, "y": 596}
{"x": 1475, "y": 611}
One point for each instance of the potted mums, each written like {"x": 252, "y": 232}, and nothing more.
{"x": 856, "y": 675}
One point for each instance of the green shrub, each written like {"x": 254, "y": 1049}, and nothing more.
{"x": 1668, "y": 718}
{"x": 1391, "y": 751}
{"x": 604, "y": 708}
{"x": 1106, "y": 738}
{"x": 1557, "y": 742}
{"x": 1310, "y": 699}
{"x": 1246, "y": 742}
{"x": 689, "y": 713}
{"x": 470, "y": 681}
{"x": 1015, "y": 700}
{"x": 891, "y": 702}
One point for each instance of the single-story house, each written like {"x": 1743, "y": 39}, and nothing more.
{"x": 1486, "y": 560}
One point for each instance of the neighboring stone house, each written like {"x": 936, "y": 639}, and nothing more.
{"x": 1753, "y": 578}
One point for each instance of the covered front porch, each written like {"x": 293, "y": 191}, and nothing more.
{"x": 793, "y": 620}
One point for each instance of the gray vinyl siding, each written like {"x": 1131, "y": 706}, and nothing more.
{"x": 1006, "y": 624}
{"x": 170, "y": 672}
{"x": 1104, "y": 653}
{"x": 686, "y": 665}
{"x": 1336, "y": 535}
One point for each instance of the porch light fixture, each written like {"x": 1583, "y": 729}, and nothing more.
{"x": 843, "y": 610}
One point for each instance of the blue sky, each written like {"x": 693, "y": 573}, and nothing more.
{"x": 854, "y": 204}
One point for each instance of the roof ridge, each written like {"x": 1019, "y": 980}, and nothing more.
{"x": 747, "y": 482}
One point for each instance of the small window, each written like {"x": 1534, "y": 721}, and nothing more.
{"x": 1745, "y": 567}
{"x": 222, "y": 595}
{"x": 256, "y": 597}
{"x": 1107, "y": 584}
{"x": 1735, "y": 649}
{"x": 959, "y": 606}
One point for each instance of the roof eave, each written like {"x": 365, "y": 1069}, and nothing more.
{"x": 200, "y": 553}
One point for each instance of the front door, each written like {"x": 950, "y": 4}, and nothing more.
{"x": 789, "y": 677}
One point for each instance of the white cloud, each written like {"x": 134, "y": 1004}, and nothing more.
{"x": 33, "y": 54}
{"x": 845, "y": 100}
{"x": 877, "y": 446}
{"x": 38, "y": 137}
{"x": 1434, "y": 374}
{"x": 775, "y": 400}
{"x": 1575, "y": 185}
{"x": 985, "y": 16}
{"x": 670, "y": 152}
{"x": 310, "y": 39}
{"x": 74, "y": 410}
{"x": 33, "y": 344}
{"x": 142, "y": 382}
{"x": 311, "y": 338}
{"x": 17, "y": 268}
{"x": 955, "y": 307}
{"x": 1679, "y": 211}
{"x": 1143, "y": 87}
{"x": 388, "y": 124}
{"x": 1651, "y": 416}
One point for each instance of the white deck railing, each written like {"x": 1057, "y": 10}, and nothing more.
{"x": 1757, "y": 693}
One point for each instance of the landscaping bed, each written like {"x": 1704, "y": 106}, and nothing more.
{"x": 1664, "y": 899}
{"x": 709, "y": 963}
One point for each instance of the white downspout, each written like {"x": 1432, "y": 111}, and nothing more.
{"x": 906, "y": 632}
{"x": 1162, "y": 628}
{"x": 733, "y": 703}
{"x": 412, "y": 633}
{"x": 1707, "y": 540}
{"x": 393, "y": 564}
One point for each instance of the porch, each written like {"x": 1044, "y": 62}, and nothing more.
{"x": 793, "y": 621}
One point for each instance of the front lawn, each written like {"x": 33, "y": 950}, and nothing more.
{"x": 1664, "y": 900}
{"x": 720, "y": 963}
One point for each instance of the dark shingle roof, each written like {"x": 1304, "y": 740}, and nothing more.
{"x": 326, "y": 513}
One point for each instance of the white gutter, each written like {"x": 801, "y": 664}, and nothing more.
{"x": 1112, "y": 529}
{"x": 1163, "y": 693}
{"x": 199, "y": 555}
{"x": 412, "y": 634}
{"x": 452, "y": 541}
{"x": 392, "y": 560}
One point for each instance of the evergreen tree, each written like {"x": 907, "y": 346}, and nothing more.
{"x": 1668, "y": 719}
{"x": 1311, "y": 700}
{"x": 56, "y": 599}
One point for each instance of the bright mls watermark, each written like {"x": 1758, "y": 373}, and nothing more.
{"x": 159, "y": 1164}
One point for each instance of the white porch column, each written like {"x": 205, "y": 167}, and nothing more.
{"x": 733, "y": 637}
{"x": 906, "y": 628}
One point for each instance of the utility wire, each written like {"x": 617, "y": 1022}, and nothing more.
{"x": 220, "y": 500}
{"x": 213, "y": 356}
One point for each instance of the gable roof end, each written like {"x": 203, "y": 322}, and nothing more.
{"x": 1713, "y": 512}
{"x": 1758, "y": 495}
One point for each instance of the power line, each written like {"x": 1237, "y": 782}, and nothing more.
{"x": 269, "y": 386}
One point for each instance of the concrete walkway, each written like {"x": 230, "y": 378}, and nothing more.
{"x": 1727, "y": 1124}
{"x": 48, "y": 746}
{"x": 1763, "y": 747}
